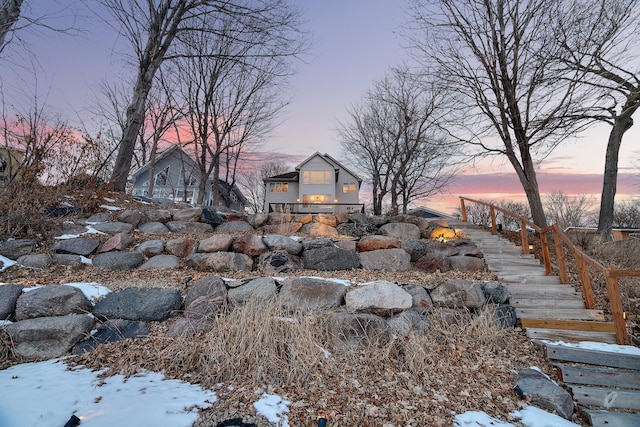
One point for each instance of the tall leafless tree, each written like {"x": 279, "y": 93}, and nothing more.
{"x": 252, "y": 182}
{"x": 395, "y": 137}
{"x": 499, "y": 58}
{"x": 9, "y": 14}
{"x": 152, "y": 26}
{"x": 600, "y": 38}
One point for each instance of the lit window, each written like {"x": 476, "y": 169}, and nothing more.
{"x": 317, "y": 177}
{"x": 278, "y": 187}
{"x": 163, "y": 177}
{"x": 316, "y": 199}
{"x": 348, "y": 187}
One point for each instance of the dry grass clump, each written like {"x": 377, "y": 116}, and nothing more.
{"x": 8, "y": 356}
{"x": 413, "y": 380}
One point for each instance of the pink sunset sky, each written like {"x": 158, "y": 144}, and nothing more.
{"x": 354, "y": 43}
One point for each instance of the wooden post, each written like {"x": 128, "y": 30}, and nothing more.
{"x": 562, "y": 264}
{"x": 546, "y": 257}
{"x": 587, "y": 290}
{"x": 463, "y": 210}
{"x": 616, "y": 310}
{"x": 494, "y": 226}
{"x": 524, "y": 237}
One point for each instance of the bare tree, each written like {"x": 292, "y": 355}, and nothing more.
{"x": 395, "y": 137}
{"x": 252, "y": 182}
{"x": 568, "y": 211}
{"x": 270, "y": 26}
{"x": 600, "y": 39}
{"x": 499, "y": 58}
{"x": 9, "y": 14}
{"x": 229, "y": 104}
{"x": 627, "y": 214}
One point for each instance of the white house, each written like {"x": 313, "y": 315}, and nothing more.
{"x": 318, "y": 184}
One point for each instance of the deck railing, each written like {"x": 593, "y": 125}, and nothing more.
{"x": 583, "y": 261}
{"x": 316, "y": 207}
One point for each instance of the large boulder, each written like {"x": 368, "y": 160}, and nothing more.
{"x": 154, "y": 227}
{"x": 496, "y": 292}
{"x": 379, "y": 297}
{"x": 53, "y": 300}
{"x": 540, "y": 391}
{"x": 205, "y": 299}
{"x": 14, "y": 249}
{"x": 458, "y": 293}
{"x": 9, "y": 294}
{"x": 316, "y": 229}
{"x": 181, "y": 247}
{"x": 78, "y": 246}
{"x": 277, "y": 242}
{"x": 260, "y": 289}
{"x": 286, "y": 228}
{"x": 348, "y": 331}
{"x": 408, "y": 322}
{"x": 306, "y": 293}
{"x": 188, "y": 227}
{"x": 118, "y": 260}
{"x": 466, "y": 263}
{"x": 131, "y": 216}
{"x": 258, "y": 219}
{"x": 386, "y": 259}
{"x": 216, "y": 243}
{"x": 151, "y": 248}
{"x": 249, "y": 244}
{"x": 234, "y": 227}
{"x": 330, "y": 258}
{"x": 158, "y": 215}
{"x": 146, "y": 304}
{"x": 401, "y": 230}
{"x": 114, "y": 227}
{"x": 39, "y": 261}
{"x": 49, "y": 337}
{"x": 211, "y": 217}
{"x": 373, "y": 243}
{"x": 189, "y": 215}
{"x": 118, "y": 242}
{"x": 278, "y": 262}
{"x": 220, "y": 261}
{"x": 415, "y": 248}
{"x": 420, "y": 299}
{"x": 327, "y": 219}
{"x": 356, "y": 230}
{"x": 161, "y": 261}
{"x": 309, "y": 243}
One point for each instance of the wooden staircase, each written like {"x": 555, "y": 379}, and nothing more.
{"x": 605, "y": 383}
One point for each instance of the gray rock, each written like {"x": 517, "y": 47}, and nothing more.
{"x": 349, "y": 331}
{"x": 211, "y": 217}
{"x": 14, "y": 249}
{"x": 146, "y": 304}
{"x": 278, "y": 262}
{"x": 249, "y": 244}
{"x": 112, "y": 331}
{"x": 40, "y": 261}
{"x": 183, "y": 327}
{"x": 466, "y": 263}
{"x": 467, "y": 248}
{"x": 378, "y": 220}
{"x": 277, "y": 218}
{"x": 208, "y": 285}
{"x": 401, "y": 230}
{"x": 131, "y": 216}
{"x": 420, "y": 299}
{"x": 9, "y": 294}
{"x": 151, "y": 248}
{"x": 326, "y": 219}
{"x": 458, "y": 293}
{"x": 161, "y": 261}
{"x": 114, "y": 227}
{"x": 154, "y": 228}
{"x": 260, "y": 289}
{"x": 257, "y": 220}
{"x": 407, "y": 322}
{"x": 386, "y": 259}
{"x": 118, "y": 260}
{"x": 414, "y": 248}
{"x": 379, "y": 297}
{"x": 375, "y": 242}
{"x": 495, "y": 292}
{"x": 78, "y": 246}
{"x": 117, "y": 242}
{"x": 189, "y": 215}
{"x": 278, "y": 242}
{"x": 69, "y": 229}
{"x": 220, "y": 261}
{"x": 98, "y": 217}
{"x": 67, "y": 259}
{"x": 216, "y": 243}
{"x": 48, "y": 337}
{"x": 316, "y": 242}
{"x": 506, "y": 316}
{"x": 181, "y": 247}
{"x": 52, "y": 300}
{"x": 544, "y": 393}
{"x": 234, "y": 227}
{"x": 356, "y": 230}
{"x": 316, "y": 229}
{"x": 205, "y": 299}
{"x": 306, "y": 293}
{"x": 436, "y": 257}
{"x": 189, "y": 227}
{"x": 158, "y": 215}
{"x": 330, "y": 258}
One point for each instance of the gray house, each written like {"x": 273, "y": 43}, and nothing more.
{"x": 318, "y": 184}
{"x": 177, "y": 179}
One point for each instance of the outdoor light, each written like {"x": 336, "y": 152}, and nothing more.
{"x": 322, "y": 421}
{"x": 530, "y": 247}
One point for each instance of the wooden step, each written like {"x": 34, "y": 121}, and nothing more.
{"x": 570, "y": 336}
{"x": 520, "y": 302}
{"x": 614, "y": 358}
{"x": 606, "y": 397}
{"x": 560, "y": 313}
{"x": 569, "y": 325}
{"x": 599, "y": 376}
{"x": 523, "y": 278}
{"x": 602, "y": 418}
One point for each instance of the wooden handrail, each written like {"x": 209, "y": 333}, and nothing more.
{"x": 583, "y": 261}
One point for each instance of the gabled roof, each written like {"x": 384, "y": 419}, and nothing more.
{"x": 426, "y": 212}
{"x": 289, "y": 176}
{"x": 333, "y": 162}
{"x": 166, "y": 153}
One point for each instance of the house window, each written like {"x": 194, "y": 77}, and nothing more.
{"x": 278, "y": 187}
{"x": 315, "y": 199}
{"x": 349, "y": 187}
{"x": 191, "y": 180}
{"x": 317, "y": 177}
{"x": 162, "y": 178}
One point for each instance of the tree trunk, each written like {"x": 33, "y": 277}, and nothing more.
{"x": 610, "y": 180}
{"x": 527, "y": 175}
{"x": 9, "y": 14}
